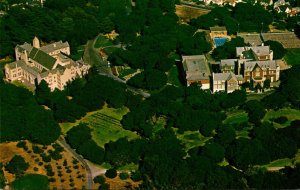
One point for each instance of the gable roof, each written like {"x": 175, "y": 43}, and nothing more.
{"x": 250, "y": 65}
{"x": 227, "y": 62}
{"x": 26, "y": 46}
{"x": 226, "y": 76}
{"x": 42, "y": 58}
{"x": 16, "y": 64}
{"x": 217, "y": 28}
{"x": 54, "y": 46}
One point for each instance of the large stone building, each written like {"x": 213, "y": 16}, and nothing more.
{"x": 50, "y": 63}
{"x": 227, "y": 82}
{"x": 196, "y": 70}
{"x": 253, "y": 64}
{"x": 259, "y": 71}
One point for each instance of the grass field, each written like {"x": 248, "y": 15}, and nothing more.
{"x": 102, "y": 41}
{"x": 105, "y": 124}
{"x": 292, "y": 57}
{"x": 188, "y": 13}
{"x": 192, "y": 139}
{"x": 291, "y": 114}
{"x": 236, "y": 118}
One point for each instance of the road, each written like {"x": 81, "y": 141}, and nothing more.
{"x": 89, "y": 176}
{"x": 92, "y": 57}
{"x": 200, "y": 7}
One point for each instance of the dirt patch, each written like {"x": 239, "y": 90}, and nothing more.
{"x": 67, "y": 173}
{"x": 187, "y": 13}
{"x": 119, "y": 184}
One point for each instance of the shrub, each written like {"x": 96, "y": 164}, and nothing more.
{"x": 36, "y": 149}
{"x": 111, "y": 173}
{"x": 17, "y": 165}
{"x": 22, "y": 144}
{"x": 57, "y": 147}
{"x": 123, "y": 175}
{"x": 52, "y": 179}
{"x": 99, "y": 179}
{"x": 75, "y": 161}
{"x": 136, "y": 176}
{"x": 65, "y": 163}
{"x": 35, "y": 169}
{"x": 46, "y": 158}
{"x": 104, "y": 186}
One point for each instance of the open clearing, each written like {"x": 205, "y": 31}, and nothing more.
{"x": 291, "y": 115}
{"x": 105, "y": 124}
{"x": 188, "y": 13}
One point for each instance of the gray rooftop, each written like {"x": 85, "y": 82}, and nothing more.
{"x": 26, "y": 46}
{"x": 15, "y": 64}
{"x": 228, "y": 62}
{"x": 258, "y": 50}
{"x": 196, "y": 67}
{"x": 217, "y": 28}
{"x": 252, "y": 39}
{"x": 249, "y": 65}
{"x": 287, "y": 39}
{"x": 226, "y": 76}
{"x": 54, "y": 46}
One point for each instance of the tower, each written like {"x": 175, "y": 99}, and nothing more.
{"x": 36, "y": 42}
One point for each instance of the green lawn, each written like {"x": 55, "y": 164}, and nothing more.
{"x": 192, "y": 139}
{"x": 292, "y": 57}
{"x": 236, "y": 118}
{"x": 105, "y": 124}
{"x": 102, "y": 41}
{"x": 110, "y": 50}
{"x": 173, "y": 76}
{"x": 291, "y": 114}
{"x": 126, "y": 71}
{"x": 277, "y": 164}
{"x": 31, "y": 182}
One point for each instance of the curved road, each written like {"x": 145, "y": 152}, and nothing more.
{"x": 89, "y": 176}
{"x": 92, "y": 57}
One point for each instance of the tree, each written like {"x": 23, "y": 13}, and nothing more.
{"x": 42, "y": 93}
{"x": 31, "y": 182}
{"x": 111, "y": 173}
{"x": 267, "y": 83}
{"x": 278, "y": 50}
{"x": 228, "y": 50}
{"x": 255, "y": 110}
{"x": 91, "y": 151}
{"x": 78, "y": 135}
{"x": 17, "y": 165}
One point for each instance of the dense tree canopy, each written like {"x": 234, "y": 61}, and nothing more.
{"x": 22, "y": 118}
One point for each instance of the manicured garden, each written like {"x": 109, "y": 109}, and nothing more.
{"x": 105, "y": 124}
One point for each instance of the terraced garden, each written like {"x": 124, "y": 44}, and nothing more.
{"x": 105, "y": 124}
